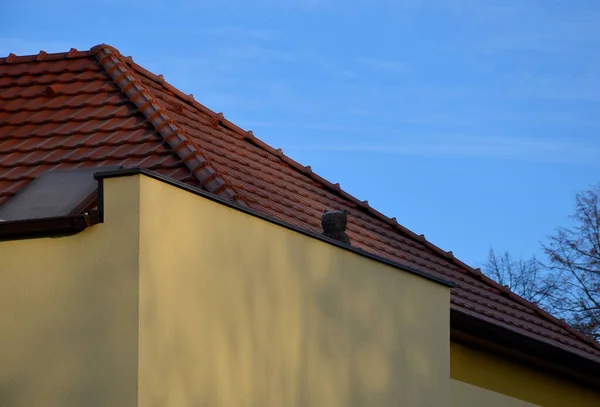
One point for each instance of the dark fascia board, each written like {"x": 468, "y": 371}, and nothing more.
{"x": 529, "y": 348}
{"x": 45, "y": 227}
{"x": 100, "y": 176}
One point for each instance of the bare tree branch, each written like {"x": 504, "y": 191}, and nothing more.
{"x": 568, "y": 284}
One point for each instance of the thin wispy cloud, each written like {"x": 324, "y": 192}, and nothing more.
{"x": 505, "y": 148}
{"x": 566, "y": 88}
{"x": 382, "y": 65}
{"x": 246, "y": 53}
{"x": 348, "y": 6}
{"x": 248, "y": 75}
{"x": 541, "y": 40}
{"x": 245, "y": 33}
{"x": 546, "y": 27}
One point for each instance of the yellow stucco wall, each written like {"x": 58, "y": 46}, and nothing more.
{"x": 68, "y": 312}
{"x": 236, "y": 311}
{"x": 502, "y": 375}
{"x": 467, "y": 395}
{"x": 177, "y": 300}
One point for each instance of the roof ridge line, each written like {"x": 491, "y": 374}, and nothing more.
{"x": 307, "y": 171}
{"x": 477, "y": 273}
{"x": 188, "y": 98}
{"x": 115, "y": 65}
{"x": 249, "y": 136}
{"x": 44, "y": 56}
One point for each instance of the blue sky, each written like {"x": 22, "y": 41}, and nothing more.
{"x": 473, "y": 122}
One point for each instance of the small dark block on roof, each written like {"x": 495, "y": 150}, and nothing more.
{"x": 334, "y": 226}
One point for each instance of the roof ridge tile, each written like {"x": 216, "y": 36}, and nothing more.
{"x": 44, "y": 56}
{"x": 117, "y": 67}
{"x": 186, "y": 97}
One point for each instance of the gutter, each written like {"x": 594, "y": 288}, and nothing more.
{"x": 471, "y": 330}
{"x": 46, "y": 227}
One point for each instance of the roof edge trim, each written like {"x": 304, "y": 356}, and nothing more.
{"x": 100, "y": 176}
{"x": 531, "y": 347}
{"x": 46, "y": 227}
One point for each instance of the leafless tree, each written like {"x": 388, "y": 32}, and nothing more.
{"x": 568, "y": 284}
{"x": 526, "y": 278}
{"x": 574, "y": 261}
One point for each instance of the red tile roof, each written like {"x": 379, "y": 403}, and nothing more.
{"x": 98, "y": 108}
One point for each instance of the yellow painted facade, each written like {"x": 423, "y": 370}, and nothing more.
{"x": 506, "y": 376}
{"x": 254, "y": 314}
{"x": 68, "y": 312}
{"x": 467, "y": 395}
{"x": 177, "y": 300}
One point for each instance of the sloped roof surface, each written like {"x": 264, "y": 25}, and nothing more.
{"x": 98, "y": 108}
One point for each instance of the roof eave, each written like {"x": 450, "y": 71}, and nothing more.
{"x": 464, "y": 326}
{"x": 46, "y": 227}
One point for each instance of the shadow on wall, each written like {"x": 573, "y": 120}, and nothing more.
{"x": 65, "y": 325}
{"x": 270, "y": 318}
{"x": 226, "y": 310}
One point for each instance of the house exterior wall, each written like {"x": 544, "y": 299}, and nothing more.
{"x": 68, "y": 312}
{"x": 502, "y": 375}
{"x": 237, "y": 311}
{"x": 467, "y": 395}
{"x": 177, "y": 300}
